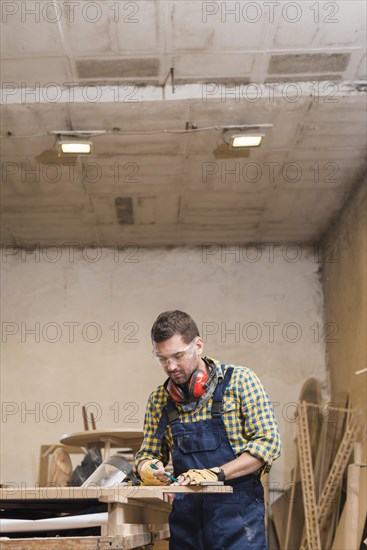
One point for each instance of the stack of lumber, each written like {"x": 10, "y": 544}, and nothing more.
{"x": 312, "y": 513}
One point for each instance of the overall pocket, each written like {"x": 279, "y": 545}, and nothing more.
{"x": 198, "y": 440}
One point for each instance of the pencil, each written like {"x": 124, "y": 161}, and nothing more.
{"x": 165, "y": 473}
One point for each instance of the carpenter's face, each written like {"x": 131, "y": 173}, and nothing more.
{"x": 179, "y": 359}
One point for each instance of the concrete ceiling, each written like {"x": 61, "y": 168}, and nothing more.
{"x": 106, "y": 65}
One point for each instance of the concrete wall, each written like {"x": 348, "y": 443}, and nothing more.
{"x": 345, "y": 279}
{"x": 259, "y": 307}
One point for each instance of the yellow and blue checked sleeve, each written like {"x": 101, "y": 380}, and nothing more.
{"x": 247, "y": 415}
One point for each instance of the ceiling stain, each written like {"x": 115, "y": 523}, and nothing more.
{"x": 124, "y": 210}
{"x": 118, "y": 68}
{"x": 308, "y": 62}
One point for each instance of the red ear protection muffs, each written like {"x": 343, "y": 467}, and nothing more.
{"x": 196, "y": 387}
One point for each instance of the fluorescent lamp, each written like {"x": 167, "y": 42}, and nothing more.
{"x": 243, "y": 140}
{"x": 75, "y": 147}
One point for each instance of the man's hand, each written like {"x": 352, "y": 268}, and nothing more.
{"x": 195, "y": 477}
{"x": 153, "y": 477}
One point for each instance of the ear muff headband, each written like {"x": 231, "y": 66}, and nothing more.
{"x": 196, "y": 387}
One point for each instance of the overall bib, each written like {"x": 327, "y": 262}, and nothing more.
{"x": 212, "y": 521}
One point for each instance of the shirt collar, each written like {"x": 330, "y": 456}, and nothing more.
{"x": 216, "y": 364}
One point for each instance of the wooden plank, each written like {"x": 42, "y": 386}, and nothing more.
{"x": 120, "y": 491}
{"x": 94, "y": 427}
{"x": 342, "y": 531}
{"x": 338, "y": 542}
{"x": 352, "y": 506}
{"x": 161, "y": 545}
{"x": 265, "y": 484}
{"x": 280, "y": 509}
{"x": 308, "y": 482}
{"x": 336, "y": 472}
{"x": 85, "y": 418}
{"x": 311, "y": 393}
{"x": 272, "y": 540}
{"x": 43, "y": 467}
{"x": 290, "y": 510}
{"x": 355, "y": 506}
{"x": 129, "y": 540}
{"x": 332, "y": 520}
{"x": 330, "y": 438}
{"x": 71, "y": 543}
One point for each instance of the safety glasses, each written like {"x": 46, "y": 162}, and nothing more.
{"x": 175, "y": 358}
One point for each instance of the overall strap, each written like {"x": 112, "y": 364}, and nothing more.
{"x": 169, "y": 415}
{"x": 219, "y": 392}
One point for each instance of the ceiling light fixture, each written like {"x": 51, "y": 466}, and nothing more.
{"x": 75, "y": 142}
{"x": 244, "y": 140}
{"x": 75, "y": 147}
{"x": 244, "y": 135}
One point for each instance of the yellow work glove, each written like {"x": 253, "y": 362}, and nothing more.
{"x": 198, "y": 476}
{"x": 147, "y": 473}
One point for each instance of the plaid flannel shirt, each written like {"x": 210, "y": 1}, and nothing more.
{"x": 247, "y": 414}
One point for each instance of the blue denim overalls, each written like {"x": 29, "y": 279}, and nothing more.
{"x": 212, "y": 521}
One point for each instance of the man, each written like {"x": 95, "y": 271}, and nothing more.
{"x": 218, "y": 424}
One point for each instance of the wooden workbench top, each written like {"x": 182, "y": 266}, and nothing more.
{"x": 112, "y": 494}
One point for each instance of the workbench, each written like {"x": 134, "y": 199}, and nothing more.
{"x": 137, "y": 516}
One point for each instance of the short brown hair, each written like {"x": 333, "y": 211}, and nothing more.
{"x": 174, "y": 322}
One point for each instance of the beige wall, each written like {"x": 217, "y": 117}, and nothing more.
{"x": 270, "y": 298}
{"x": 345, "y": 302}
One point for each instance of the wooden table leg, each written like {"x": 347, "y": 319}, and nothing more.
{"x": 135, "y": 534}
{"x": 107, "y": 450}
